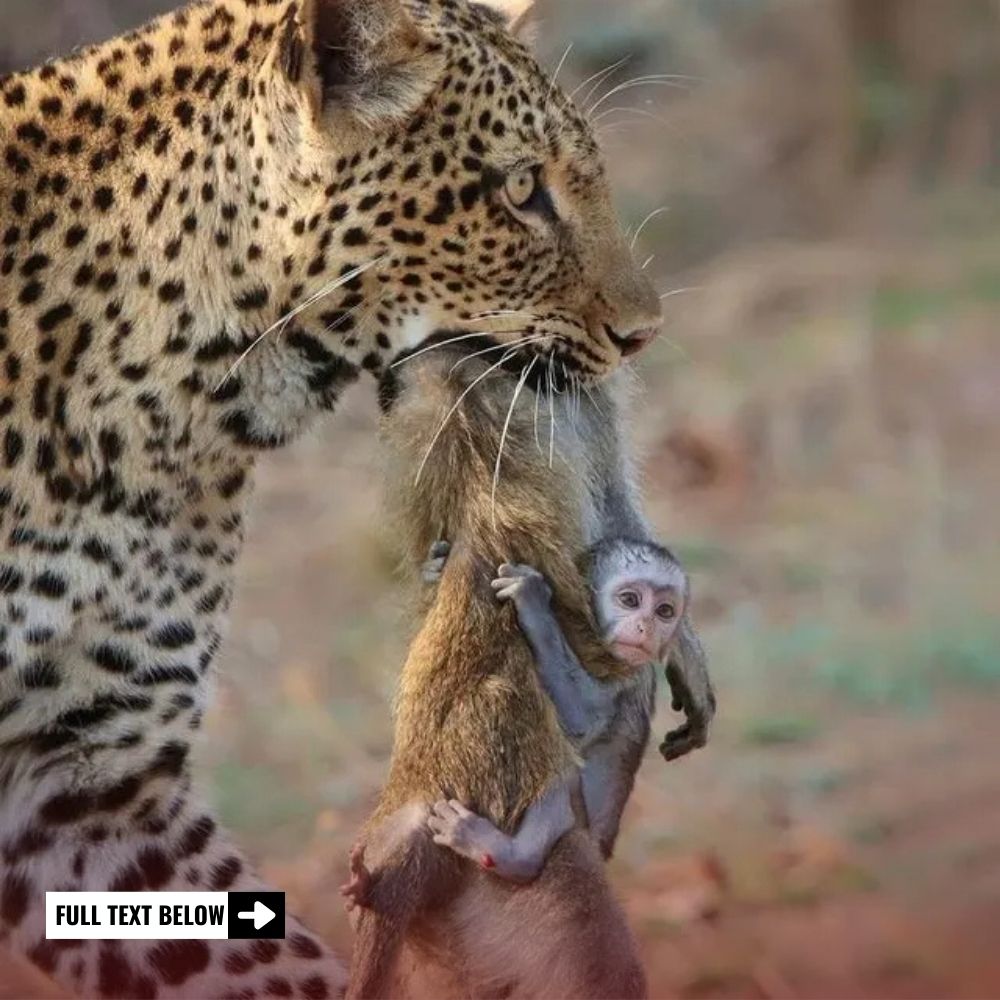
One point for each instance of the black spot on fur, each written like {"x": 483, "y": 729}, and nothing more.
{"x": 196, "y": 836}
{"x": 265, "y": 952}
{"x": 173, "y": 635}
{"x": 14, "y": 899}
{"x": 302, "y": 947}
{"x": 49, "y": 584}
{"x": 315, "y": 988}
{"x": 223, "y": 875}
{"x": 155, "y": 867}
{"x": 113, "y": 658}
{"x": 177, "y": 961}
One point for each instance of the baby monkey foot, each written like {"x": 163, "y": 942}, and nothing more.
{"x": 473, "y": 837}
{"x": 436, "y": 560}
{"x": 357, "y": 891}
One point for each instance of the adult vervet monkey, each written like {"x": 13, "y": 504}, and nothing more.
{"x": 473, "y": 721}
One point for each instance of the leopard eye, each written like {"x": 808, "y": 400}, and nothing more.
{"x": 520, "y": 186}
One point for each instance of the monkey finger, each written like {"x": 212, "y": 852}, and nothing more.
{"x": 442, "y": 810}
{"x": 510, "y": 593}
{"x": 460, "y": 809}
{"x": 440, "y": 550}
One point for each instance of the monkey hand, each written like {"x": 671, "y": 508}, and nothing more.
{"x": 691, "y": 694}
{"x": 436, "y": 560}
{"x": 524, "y": 586}
{"x": 681, "y": 741}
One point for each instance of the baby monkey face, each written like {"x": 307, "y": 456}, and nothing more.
{"x": 640, "y": 607}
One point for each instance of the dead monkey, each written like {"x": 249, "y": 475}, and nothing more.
{"x": 472, "y": 720}
{"x": 641, "y": 596}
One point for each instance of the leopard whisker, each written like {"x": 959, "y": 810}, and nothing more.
{"x": 454, "y": 409}
{"x": 536, "y": 339}
{"x": 682, "y": 291}
{"x": 594, "y": 403}
{"x": 555, "y": 75}
{"x": 525, "y": 374}
{"x": 598, "y": 78}
{"x": 645, "y": 222}
{"x": 639, "y": 112}
{"x": 436, "y": 346}
{"x": 652, "y": 80}
{"x": 552, "y": 415}
{"x": 326, "y": 290}
{"x": 538, "y": 397}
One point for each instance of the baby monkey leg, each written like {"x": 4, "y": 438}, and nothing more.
{"x": 517, "y": 858}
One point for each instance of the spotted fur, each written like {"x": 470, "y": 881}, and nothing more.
{"x": 208, "y": 228}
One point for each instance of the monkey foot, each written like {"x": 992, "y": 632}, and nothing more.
{"x": 475, "y": 838}
{"x": 356, "y": 892}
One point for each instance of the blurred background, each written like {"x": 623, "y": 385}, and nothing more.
{"x": 820, "y": 428}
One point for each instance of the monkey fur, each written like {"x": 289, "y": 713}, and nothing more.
{"x": 472, "y": 721}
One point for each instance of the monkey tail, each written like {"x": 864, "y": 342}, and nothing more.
{"x": 405, "y": 884}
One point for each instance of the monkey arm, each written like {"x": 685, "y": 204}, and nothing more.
{"x": 692, "y": 693}
{"x": 585, "y": 706}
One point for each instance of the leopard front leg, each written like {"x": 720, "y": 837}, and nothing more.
{"x": 144, "y": 832}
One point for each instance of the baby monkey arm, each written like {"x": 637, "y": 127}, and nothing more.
{"x": 691, "y": 691}
{"x": 586, "y": 707}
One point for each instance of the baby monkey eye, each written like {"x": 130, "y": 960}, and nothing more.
{"x": 629, "y": 599}
{"x": 666, "y": 611}
{"x": 520, "y": 186}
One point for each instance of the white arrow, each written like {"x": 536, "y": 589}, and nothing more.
{"x": 260, "y": 915}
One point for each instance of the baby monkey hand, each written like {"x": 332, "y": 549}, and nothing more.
{"x": 696, "y": 699}
{"x": 523, "y": 585}
{"x": 433, "y": 568}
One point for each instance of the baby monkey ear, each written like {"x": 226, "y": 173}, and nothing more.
{"x": 367, "y": 58}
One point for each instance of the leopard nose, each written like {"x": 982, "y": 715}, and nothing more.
{"x": 630, "y": 342}
{"x": 636, "y": 340}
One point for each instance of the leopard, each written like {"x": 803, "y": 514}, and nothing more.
{"x": 211, "y": 227}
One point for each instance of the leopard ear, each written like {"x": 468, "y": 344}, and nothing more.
{"x": 366, "y": 57}
{"x": 520, "y": 17}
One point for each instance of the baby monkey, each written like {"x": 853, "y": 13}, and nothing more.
{"x": 640, "y": 598}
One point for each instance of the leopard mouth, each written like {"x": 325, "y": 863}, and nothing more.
{"x": 557, "y": 368}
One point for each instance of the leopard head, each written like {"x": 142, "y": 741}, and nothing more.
{"x": 448, "y": 183}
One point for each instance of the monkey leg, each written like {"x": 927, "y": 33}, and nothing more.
{"x": 562, "y": 936}
{"x": 517, "y": 858}
{"x": 406, "y": 871}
